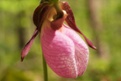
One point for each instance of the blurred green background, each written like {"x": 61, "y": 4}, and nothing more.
{"x": 100, "y": 21}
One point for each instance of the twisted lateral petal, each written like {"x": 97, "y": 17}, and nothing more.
{"x": 71, "y": 22}
{"x": 27, "y": 47}
{"x": 39, "y": 16}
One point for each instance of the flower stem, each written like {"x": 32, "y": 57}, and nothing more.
{"x": 45, "y": 70}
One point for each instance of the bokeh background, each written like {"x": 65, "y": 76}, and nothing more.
{"x": 100, "y": 21}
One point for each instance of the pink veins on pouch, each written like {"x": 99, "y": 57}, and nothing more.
{"x": 64, "y": 50}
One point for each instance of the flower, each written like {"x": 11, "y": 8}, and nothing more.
{"x": 64, "y": 50}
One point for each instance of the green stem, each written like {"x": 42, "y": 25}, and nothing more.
{"x": 45, "y": 70}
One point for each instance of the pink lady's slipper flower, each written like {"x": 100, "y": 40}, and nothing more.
{"x": 64, "y": 50}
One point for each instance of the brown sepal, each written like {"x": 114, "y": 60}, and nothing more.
{"x": 40, "y": 14}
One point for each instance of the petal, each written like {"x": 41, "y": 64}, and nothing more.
{"x": 39, "y": 16}
{"x": 71, "y": 22}
{"x": 81, "y": 49}
{"x": 58, "y": 51}
{"x": 27, "y": 47}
